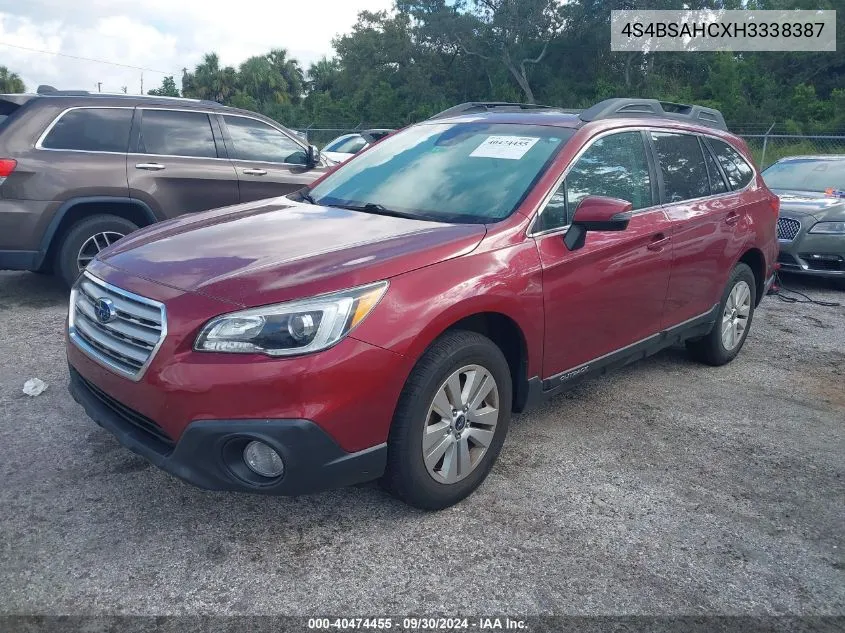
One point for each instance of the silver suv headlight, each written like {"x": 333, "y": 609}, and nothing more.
{"x": 831, "y": 228}
{"x": 292, "y": 328}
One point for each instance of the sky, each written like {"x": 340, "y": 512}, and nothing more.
{"x": 162, "y": 36}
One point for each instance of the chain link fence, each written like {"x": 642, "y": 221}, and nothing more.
{"x": 769, "y": 148}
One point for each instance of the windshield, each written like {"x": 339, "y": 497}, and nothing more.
{"x": 450, "y": 172}
{"x": 811, "y": 174}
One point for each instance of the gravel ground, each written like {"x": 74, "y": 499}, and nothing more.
{"x": 666, "y": 488}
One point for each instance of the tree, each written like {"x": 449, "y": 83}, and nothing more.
{"x": 10, "y": 83}
{"x": 210, "y": 81}
{"x": 167, "y": 89}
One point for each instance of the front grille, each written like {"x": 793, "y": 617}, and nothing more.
{"x": 788, "y": 229}
{"x": 130, "y": 415}
{"x": 127, "y": 340}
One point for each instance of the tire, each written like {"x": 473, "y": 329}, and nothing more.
{"x": 407, "y": 476}
{"x": 66, "y": 265}
{"x": 713, "y": 349}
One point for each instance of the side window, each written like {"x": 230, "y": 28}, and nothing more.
{"x": 682, "y": 163}
{"x": 614, "y": 166}
{"x": 175, "y": 133}
{"x": 717, "y": 183}
{"x": 92, "y": 130}
{"x": 736, "y": 168}
{"x": 255, "y": 140}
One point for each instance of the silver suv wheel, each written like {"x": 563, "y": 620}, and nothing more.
{"x": 461, "y": 423}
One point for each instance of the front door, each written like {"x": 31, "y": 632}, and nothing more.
{"x": 268, "y": 161}
{"x": 610, "y": 293}
{"x": 174, "y": 165}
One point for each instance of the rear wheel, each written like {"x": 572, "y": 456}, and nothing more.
{"x": 723, "y": 342}
{"x": 85, "y": 239}
{"x": 451, "y": 421}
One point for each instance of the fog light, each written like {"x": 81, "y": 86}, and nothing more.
{"x": 263, "y": 460}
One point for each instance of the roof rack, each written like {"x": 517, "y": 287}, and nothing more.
{"x": 50, "y": 91}
{"x": 487, "y": 106}
{"x": 44, "y": 89}
{"x": 623, "y": 107}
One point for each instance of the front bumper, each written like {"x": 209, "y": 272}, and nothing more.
{"x": 208, "y": 453}
{"x": 814, "y": 254}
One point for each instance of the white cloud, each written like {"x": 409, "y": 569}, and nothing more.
{"x": 164, "y": 35}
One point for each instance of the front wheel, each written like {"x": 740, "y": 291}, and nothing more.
{"x": 723, "y": 342}
{"x": 451, "y": 421}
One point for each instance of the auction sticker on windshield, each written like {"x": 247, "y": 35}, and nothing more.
{"x": 507, "y": 147}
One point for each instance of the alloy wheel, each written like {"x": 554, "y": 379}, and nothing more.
{"x": 735, "y": 315}
{"x": 94, "y": 245}
{"x": 460, "y": 424}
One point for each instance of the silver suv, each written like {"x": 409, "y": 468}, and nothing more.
{"x": 79, "y": 171}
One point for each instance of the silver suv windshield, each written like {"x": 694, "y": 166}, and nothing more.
{"x": 450, "y": 172}
{"x": 810, "y": 174}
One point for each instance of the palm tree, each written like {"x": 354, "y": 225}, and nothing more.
{"x": 209, "y": 81}
{"x": 10, "y": 82}
{"x": 291, "y": 71}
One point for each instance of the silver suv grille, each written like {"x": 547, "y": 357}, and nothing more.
{"x": 788, "y": 229}
{"x": 117, "y": 328}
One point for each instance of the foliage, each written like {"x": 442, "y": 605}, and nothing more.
{"x": 10, "y": 83}
{"x": 394, "y": 68}
{"x": 167, "y": 89}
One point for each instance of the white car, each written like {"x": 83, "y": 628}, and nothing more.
{"x": 345, "y": 147}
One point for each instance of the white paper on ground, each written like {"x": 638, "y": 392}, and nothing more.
{"x": 507, "y": 147}
{"x": 34, "y": 387}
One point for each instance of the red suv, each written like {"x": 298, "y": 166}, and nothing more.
{"x": 386, "y": 321}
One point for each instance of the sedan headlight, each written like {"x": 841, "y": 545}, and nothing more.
{"x": 296, "y": 327}
{"x": 836, "y": 228}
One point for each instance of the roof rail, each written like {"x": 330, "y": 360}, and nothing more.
{"x": 634, "y": 108}
{"x": 50, "y": 90}
{"x": 486, "y": 106}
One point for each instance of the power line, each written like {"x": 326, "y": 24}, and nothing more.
{"x": 88, "y": 59}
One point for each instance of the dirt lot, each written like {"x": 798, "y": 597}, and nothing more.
{"x": 666, "y": 488}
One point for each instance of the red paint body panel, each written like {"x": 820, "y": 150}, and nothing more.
{"x": 669, "y": 265}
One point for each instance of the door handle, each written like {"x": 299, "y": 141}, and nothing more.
{"x": 732, "y": 218}
{"x": 150, "y": 166}
{"x": 658, "y": 242}
{"x": 251, "y": 171}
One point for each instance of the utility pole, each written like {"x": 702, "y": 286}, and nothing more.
{"x": 142, "y": 82}
{"x": 99, "y": 86}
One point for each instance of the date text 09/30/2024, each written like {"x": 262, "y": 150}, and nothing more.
{"x": 418, "y": 624}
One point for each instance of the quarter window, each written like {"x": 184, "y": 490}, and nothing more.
{"x": 717, "y": 183}
{"x": 175, "y": 133}
{"x": 91, "y": 130}
{"x": 613, "y": 166}
{"x": 682, "y": 164}
{"x": 736, "y": 168}
{"x": 254, "y": 140}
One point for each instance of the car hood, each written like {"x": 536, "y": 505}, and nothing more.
{"x": 819, "y": 205}
{"x": 276, "y": 250}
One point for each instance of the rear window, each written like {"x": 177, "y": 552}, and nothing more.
{"x": 91, "y": 130}
{"x": 736, "y": 168}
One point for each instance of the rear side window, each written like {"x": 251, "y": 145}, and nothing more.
{"x": 682, "y": 163}
{"x": 91, "y": 130}
{"x": 174, "y": 133}
{"x": 736, "y": 168}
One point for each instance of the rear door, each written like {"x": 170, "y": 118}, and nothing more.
{"x": 178, "y": 164}
{"x": 268, "y": 161}
{"x": 706, "y": 219}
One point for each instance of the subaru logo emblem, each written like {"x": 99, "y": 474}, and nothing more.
{"x": 104, "y": 309}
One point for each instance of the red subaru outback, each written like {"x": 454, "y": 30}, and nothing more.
{"x": 385, "y": 322}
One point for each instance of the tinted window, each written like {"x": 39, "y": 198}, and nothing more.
{"x": 172, "y": 133}
{"x": 349, "y": 145}
{"x": 91, "y": 130}
{"x": 682, "y": 163}
{"x": 614, "y": 166}
{"x": 738, "y": 171}
{"x": 254, "y": 140}
{"x": 717, "y": 182}
{"x": 813, "y": 174}
{"x": 453, "y": 172}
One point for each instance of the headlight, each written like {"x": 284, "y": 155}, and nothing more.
{"x": 296, "y": 327}
{"x": 829, "y": 227}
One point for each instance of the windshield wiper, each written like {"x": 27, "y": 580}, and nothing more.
{"x": 377, "y": 209}
{"x": 307, "y": 197}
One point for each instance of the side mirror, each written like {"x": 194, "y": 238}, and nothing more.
{"x": 596, "y": 213}
{"x": 312, "y": 156}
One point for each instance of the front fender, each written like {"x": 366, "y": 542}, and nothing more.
{"x": 420, "y": 305}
